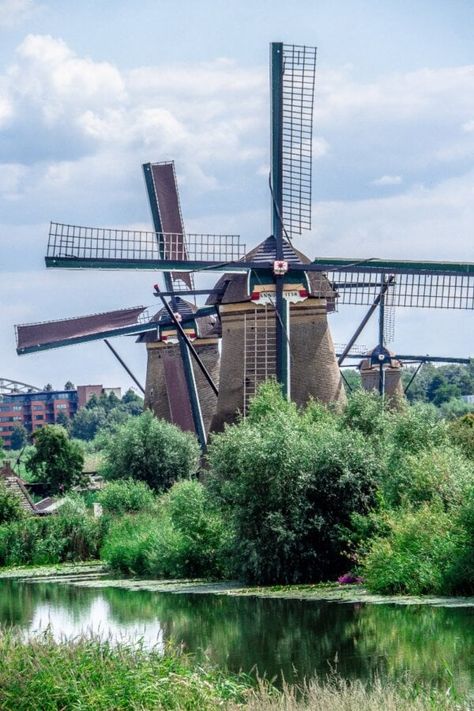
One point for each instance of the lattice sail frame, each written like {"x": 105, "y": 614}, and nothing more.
{"x": 422, "y": 290}
{"x": 299, "y": 69}
{"x": 96, "y": 244}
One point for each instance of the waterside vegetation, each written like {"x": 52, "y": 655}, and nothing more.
{"x": 286, "y": 496}
{"x": 94, "y": 675}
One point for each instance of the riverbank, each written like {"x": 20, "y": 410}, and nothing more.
{"x": 93, "y": 675}
{"x": 95, "y": 575}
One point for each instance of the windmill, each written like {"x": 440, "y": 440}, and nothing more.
{"x": 273, "y": 301}
{"x": 380, "y": 368}
{"x": 182, "y": 345}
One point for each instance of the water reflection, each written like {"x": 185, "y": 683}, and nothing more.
{"x": 278, "y": 637}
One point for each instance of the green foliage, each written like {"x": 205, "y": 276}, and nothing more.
{"x": 151, "y": 450}
{"x": 56, "y": 460}
{"x": 93, "y": 675}
{"x": 103, "y": 415}
{"x": 455, "y": 408}
{"x": 133, "y": 402}
{"x": 184, "y": 537}
{"x": 434, "y": 474}
{"x": 461, "y": 433}
{"x": 19, "y": 437}
{"x": 440, "y": 384}
{"x": 126, "y": 496}
{"x": 288, "y": 482}
{"x": 421, "y": 554}
{"x": 69, "y": 535}
{"x": 365, "y": 412}
{"x": 64, "y": 421}
{"x": 415, "y": 429}
{"x": 87, "y": 422}
{"x": 10, "y": 505}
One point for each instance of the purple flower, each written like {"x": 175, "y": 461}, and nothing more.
{"x": 349, "y": 579}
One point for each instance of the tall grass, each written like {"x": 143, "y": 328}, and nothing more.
{"x": 337, "y": 694}
{"x": 92, "y": 675}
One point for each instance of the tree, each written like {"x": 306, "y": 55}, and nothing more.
{"x": 69, "y": 386}
{"x": 48, "y": 387}
{"x": 87, "y": 422}
{"x": 151, "y": 450}
{"x": 19, "y": 437}
{"x": 10, "y": 505}
{"x": 288, "y": 483}
{"x": 132, "y": 402}
{"x": 57, "y": 460}
{"x": 63, "y": 420}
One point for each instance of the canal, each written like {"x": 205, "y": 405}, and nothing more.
{"x": 275, "y": 638}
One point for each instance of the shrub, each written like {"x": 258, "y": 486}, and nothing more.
{"x": 10, "y": 505}
{"x": 461, "y": 433}
{"x": 126, "y": 496}
{"x": 184, "y": 538}
{"x": 415, "y": 429}
{"x": 128, "y": 541}
{"x": 439, "y": 473}
{"x": 56, "y": 460}
{"x": 365, "y": 412}
{"x": 416, "y": 557}
{"x": 288, "y": 485}
{"x": 70, "y": 535}
{"x": 151, "y": 450}
{"x": 193, "y": 534}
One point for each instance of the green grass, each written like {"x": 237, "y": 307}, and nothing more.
{"x": 87, "y": 674}
{"x": 91, "y": 675}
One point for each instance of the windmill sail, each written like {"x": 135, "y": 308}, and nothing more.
{"x": 299, "y": 68}
{"x": 32, "y": 337}
{"x": 166, "y": 202}
{"x": 54, "y": 334}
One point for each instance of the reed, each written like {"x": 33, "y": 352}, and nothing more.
{"x": 88, "y": 674}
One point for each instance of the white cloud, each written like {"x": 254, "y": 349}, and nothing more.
{"x": 468, "y": 126}
{"x": 431, "y": 223}
{"x": 55, "y": 83}
{"x": 397, "y": 97}
{"x": 388, "y": 180}
{"x": 11, "y": 175}
{"x": 14, "y": 12}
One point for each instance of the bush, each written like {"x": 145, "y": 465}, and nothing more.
{"x": 415, "y": 429}
{"x": 439, "y": 473}
{"x": 151, "y": 450}
{"x": 56, "y": 460}
{"x": 461, "y": 433}
{"x": 126, "y": 496}
{"x": 289, "y": 483}
{"x": 10, "y": 505}
{"x": 68, "y": 536}
{"x": 426, "y": 551}
{"x": 185, "y": 537}
{"x": 415, "y": 556}
{"x": 365, "y": 412}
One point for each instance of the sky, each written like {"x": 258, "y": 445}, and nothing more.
{"x": 90, "y": 90}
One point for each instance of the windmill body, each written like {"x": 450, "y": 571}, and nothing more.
{"x": 166, "y": 388}
{"x": 249, "y": 334}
